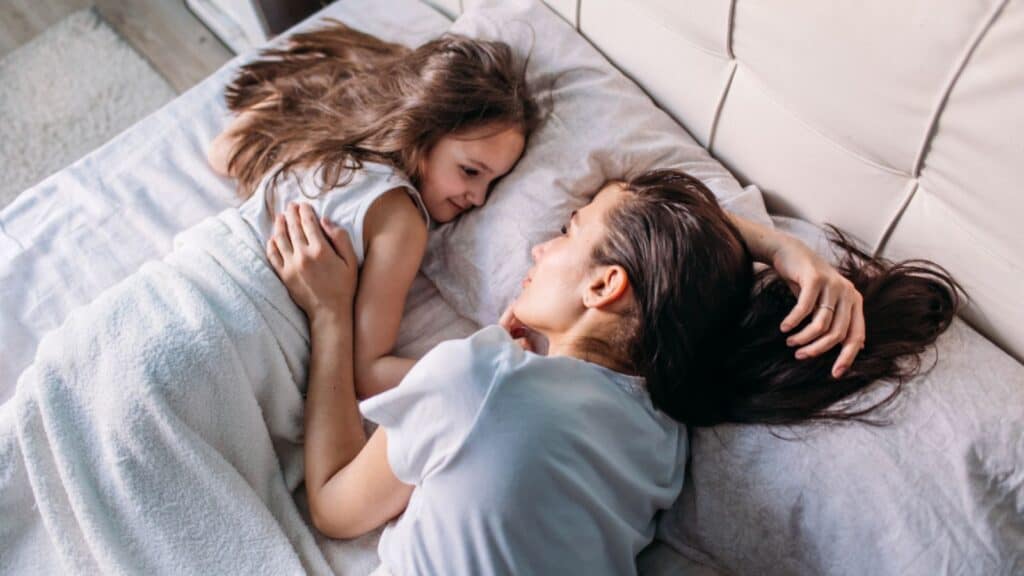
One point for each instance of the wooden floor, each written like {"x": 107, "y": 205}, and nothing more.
{"x": 165, "y": 32}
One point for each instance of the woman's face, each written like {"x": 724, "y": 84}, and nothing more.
{"x": 458, "y": 171}
{"x": 553, "y": 293}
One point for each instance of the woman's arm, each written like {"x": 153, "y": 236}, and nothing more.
{"x": 396, "y": 238}
{"x": 762, "y": 241}
{"x": 830, "y": 299}
{"x": 349, "y": 482}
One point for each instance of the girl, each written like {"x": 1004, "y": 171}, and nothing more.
{"x": 381, "y": 139}
{"x": 509, "y": 462}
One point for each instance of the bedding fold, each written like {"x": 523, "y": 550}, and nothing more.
{"x": 159, "y": 429}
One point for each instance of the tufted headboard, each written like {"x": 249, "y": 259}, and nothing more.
{"x": 902, "y": 122}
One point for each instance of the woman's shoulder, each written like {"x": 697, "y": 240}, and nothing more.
{"x": 488, "y": 350}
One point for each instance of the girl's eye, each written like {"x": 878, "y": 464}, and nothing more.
{"x": 470, "y": 171}
{"x": 565, "y": 230}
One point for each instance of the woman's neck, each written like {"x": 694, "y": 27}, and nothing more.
{"x": 589, "y": 349}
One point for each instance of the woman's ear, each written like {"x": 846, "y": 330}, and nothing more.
{"x": 607, "y": 287}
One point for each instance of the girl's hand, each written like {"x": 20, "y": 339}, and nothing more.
{"x": 823, "y": 294}
{"x": 515, "y": 328}
{"x": 320, "y": 271}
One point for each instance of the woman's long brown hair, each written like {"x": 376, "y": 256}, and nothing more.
{"x": 907, "y": 305}
{"x": 705, "y": 332}
{"x": 335, "y": 97}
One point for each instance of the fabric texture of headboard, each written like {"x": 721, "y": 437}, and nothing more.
{"x": 900, "y": 122}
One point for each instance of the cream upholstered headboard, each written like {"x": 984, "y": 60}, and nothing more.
{"x": 900, "y": 121}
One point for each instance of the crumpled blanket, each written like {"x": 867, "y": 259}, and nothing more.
{"x": 159, "y": 429}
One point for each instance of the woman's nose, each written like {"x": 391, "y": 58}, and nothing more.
{"x": 537, "y": 251}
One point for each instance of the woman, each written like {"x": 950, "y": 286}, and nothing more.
{"x": 506, "y": 461}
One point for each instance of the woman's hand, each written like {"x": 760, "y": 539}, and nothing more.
{"x": 828, "y": 298}
{"x": 515, "y": 328}
{"x": 320, "y": 271}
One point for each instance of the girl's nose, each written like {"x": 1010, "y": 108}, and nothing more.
{"x": 476, "y": 197}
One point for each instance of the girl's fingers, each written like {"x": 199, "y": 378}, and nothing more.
{"x": 294, "y": 226}
{"x": 311, "y": 227}
{"x": 854, "y": 340}
{"x": 340, "y": 241}
{"x": 274, "y": 255}
{"x": 806, "y": 299}
{"x": 284, "y": 243}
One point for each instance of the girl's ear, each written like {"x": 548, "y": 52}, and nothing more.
{"x": 607, "y": 287}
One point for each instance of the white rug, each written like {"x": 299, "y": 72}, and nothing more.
{"x": 66, "y": 92}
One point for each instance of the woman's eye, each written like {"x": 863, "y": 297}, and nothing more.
{"x": 565, "y": 230}
{"x": 470, "y": 171}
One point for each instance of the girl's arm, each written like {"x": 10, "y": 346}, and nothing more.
{"x": 349, "y": 483}
{"x": 396, "y": 238}
{"x": 830, "y": 299}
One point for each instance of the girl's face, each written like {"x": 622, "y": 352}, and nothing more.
{"x": 553, "y": 293}
{"x": 458, "y": 171}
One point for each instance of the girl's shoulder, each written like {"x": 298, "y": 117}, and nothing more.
{"x": 396, "y": 213}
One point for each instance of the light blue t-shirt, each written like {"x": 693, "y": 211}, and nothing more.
{"x": 523, "y": 464}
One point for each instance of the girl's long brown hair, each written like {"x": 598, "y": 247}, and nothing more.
{"x": 706, "y": 330}
{"x": 335, "y": 97}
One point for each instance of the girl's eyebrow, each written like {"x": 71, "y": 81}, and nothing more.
{"x": 481, "y": 165}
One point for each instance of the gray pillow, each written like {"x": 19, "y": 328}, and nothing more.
{"x": 940, "y": 491}
{"x": 601, "y": 126}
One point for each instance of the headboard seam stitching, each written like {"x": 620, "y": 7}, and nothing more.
{"x": 957, "y": 72}
{"x": 721, "y": 103}
{"x": 912, "y": 187}
{"x": 730, "y": 24}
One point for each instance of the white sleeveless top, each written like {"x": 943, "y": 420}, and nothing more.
{"x": 345, "y": 205}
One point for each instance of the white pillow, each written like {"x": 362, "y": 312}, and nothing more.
{"x": 601, "y": 126}
{"x": 939, "y": 491}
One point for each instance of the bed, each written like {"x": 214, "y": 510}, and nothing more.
{"x": 924, "y": 169}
